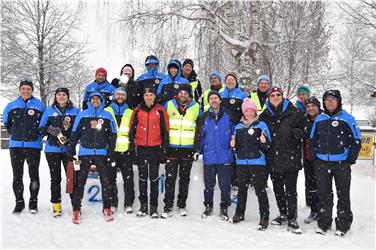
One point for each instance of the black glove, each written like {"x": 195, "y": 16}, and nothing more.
{"x": 55, "y": 131}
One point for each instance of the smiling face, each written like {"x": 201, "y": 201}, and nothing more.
{"x": 173, "y": 71}
{"x": 95, "y": 101}
{"x": 230, "y": 82}
{"x": 214, "y": 102}
{"x": 302, "y": 98}
{"x": 275, "y": 99}
{"x": 214, "y": 81}
{"x": 187, "y": 69}
{"x": 120, "y": 98}
{"x": 25, "y": 91}
{"x": 100, "y": 77}
{"x": 312, "y": 110}
{"x": 149, "y": 99}
{"x": 183, "y": 96}
{"x": 62, "y": 99}
{"x": 263, "y": 86}
{"x": 249, "y": 114}
{"x": 331, "y": 103}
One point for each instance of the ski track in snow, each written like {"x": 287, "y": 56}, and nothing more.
{"x": 128, "y": 231}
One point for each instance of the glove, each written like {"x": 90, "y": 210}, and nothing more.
{"x": 55, "y": 131}
{"x": 196, "y": 156}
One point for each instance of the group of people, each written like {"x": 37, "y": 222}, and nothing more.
{"x": 166, "y": 118}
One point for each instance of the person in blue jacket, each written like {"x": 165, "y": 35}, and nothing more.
{"x": 303, "y": 92}
{"x": 232, "y": 96}
{"x": 151, "y": 78}
{"x": 251, "y": 138}
{"x": 95, "y": 129}
{"x": 169, "y": 86}
{"x": 101, "y": 85}
{"x": 21, "y": 118}
{"x": 56, "y": 124}
{"x": 232, "y": 99}
{"x": 335, "y": 142}
{"x": 214, "y": 132}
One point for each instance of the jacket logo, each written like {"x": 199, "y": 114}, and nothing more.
{"x": 67, "y": 122}
{"x": 100, "y": 121}
{"x": 157, "y": 81}
{"x": 335, "y": 123}
{"x": 232, "y": 101}
{"x": 176, "y": 86}
{"x": 251, "y": 131}
{"x": 30, "y": 112}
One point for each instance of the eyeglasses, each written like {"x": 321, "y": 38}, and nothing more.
{"x": 275, "y": 95}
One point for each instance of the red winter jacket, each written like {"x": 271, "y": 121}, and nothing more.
{"x": 149, "y": 126}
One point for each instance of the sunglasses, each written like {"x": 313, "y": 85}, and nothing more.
{"x": 275, "y": 95}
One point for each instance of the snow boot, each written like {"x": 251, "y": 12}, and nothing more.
{"x": 280, "y": 220}
{"x": 237, "y": 218}
{"x": 340, "y": 233}
{"x": 263, "y": 225}
{"x": 293, "y": 227}
{"x": 167, "y": 212}
{"x": 128, "y": 209}
{"x": 223, "y": 214}
{"x": 183, "y": 212}
{"x": 56, "y": 208}
{"x": 154, "y": 212}
{"x": 33, "y": 206}
{"x": 20, "y": 205}
{"x": 208, "y": 211}
{"x": 321, "y": 231}
{"x": 107, "y": 213}
{"x": 143, "y": 210}
{"x": 76, "y": 217}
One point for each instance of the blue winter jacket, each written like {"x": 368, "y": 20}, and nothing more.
{"x": 335, "y": 138}
{"x": 232, "y": 100}
{"x": 248, "y": 148}
{"x": 21, "y": 119}
{"x": 95, "y": 129}
{"x": 169, "y": 86}
{"x": 300, "y": 106}
{"x": 105, "y": 89}
{"x": 216, "y": 130}
{"x": 55, "y": 118}
{"x": 152, "y": 78}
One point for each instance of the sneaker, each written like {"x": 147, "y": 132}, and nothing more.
{"x": 154, "y": 212}
{"x": 107, "y": 213}
{"x": 183, "y": 212}
{"x": 208, "y": 212}
{"x": 128, "y": 209}
{"x": 33, "y": 206}
{"x": 237, "y": 218}
{"x": 280, "y": 220}
{"x": 76, "y": 217}
{"x": 143, "y": 210}
{"x": 311, "y": 218}
{"x": 113, "y": 209}
{"x": 293, "y": 227}
{"x": 167, "y": 212}
{"x": 56, "y": 208}
{"x": 340, "y": 233}
{"x": 263, "y": 225}
{"x": 223, "y": 214}
{"x": 20, "y": 205}
{"x": 321, "y": 231}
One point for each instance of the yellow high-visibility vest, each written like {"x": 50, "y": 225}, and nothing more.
{"x": 205, "y": 101}
{"x": 122, "y": 139}
{"x": 182, "y": 128}
{"x": 256, "y": 99}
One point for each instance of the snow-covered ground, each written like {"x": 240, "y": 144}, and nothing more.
{"x": 127, "y": 231}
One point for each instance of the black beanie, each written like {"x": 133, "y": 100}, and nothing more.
{"x": 314, "y": 101}
{"x": 64, "y": 90}
{"x": 213, "y": 92}
{"x": 188, "y": 61}
{"x": 26, "y": 82}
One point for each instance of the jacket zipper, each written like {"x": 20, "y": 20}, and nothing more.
{"x": 147, "y": 130}
{"x": 95, "y": 132}
{"x": 24, "y": 124}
